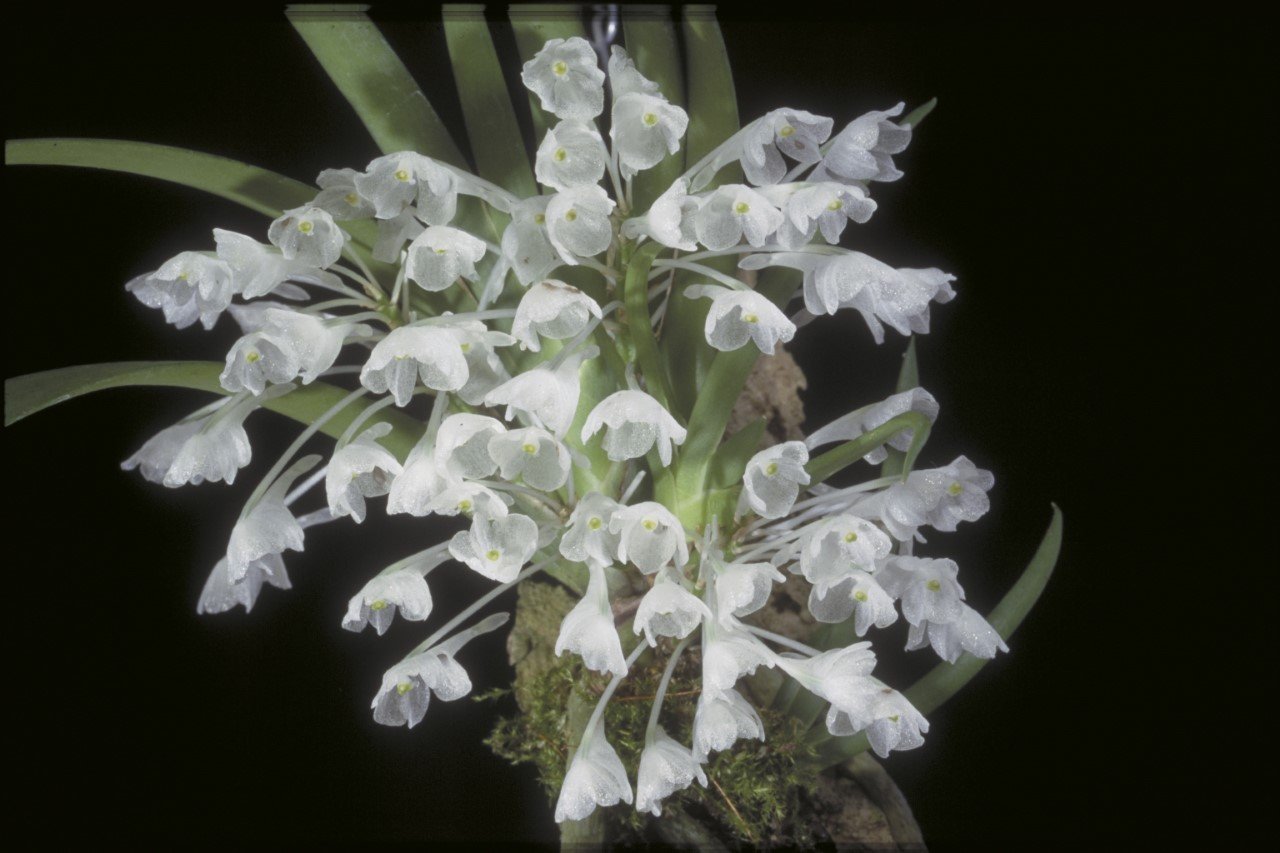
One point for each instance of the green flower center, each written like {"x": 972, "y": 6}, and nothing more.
{"x": 305, "y": 226}
{"x": 772, "y": 467}
{"x": 378, "y": 605}
{"x": 464, "y": 505}
{"x": 560, "y": 68}
{"x": 492, "y": 554}
{"x": 351, "y": 199}
{"x": 570, "y": 215}
{"x": 851, "y": 537}
{"x": 752, "y": 318}
{"x": 404, "y": 687}
{"x": 649, "y": 119}
{"x": 539, "y": 218}
{"x": 594, "y": 523}
{"x": 955, "y": 489}
{"x": 252, "y": 355}
{"x": 649, "y": 524}
{"x": 402, "y": 174}
{"x": 561, "y": 155}
{"x": 786, "y": 130}
{"x": 860, "y": 595}
{"x": 741, "y": 207}
{"x": 529, "y": 448}
{"x": 933, "y": 586}
{"x": 835, "y": 204}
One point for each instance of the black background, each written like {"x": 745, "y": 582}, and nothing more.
{"x": 1096, "y": 185}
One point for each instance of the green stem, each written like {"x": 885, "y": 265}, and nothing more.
{"x": 636, "y": 299}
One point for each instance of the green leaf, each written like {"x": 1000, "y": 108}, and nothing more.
{"x": 26, "y": 395}
{"x": 908, "y": 378}
{"x": 260, "y": 190}
{"x": 636, "y": 294}
{"x": 822, "y": 467}
{"x": 918, "y": 115}
{"x": 374, "y": 81}
{"x": 713, "y": 101}
{"x": 650, "y": 39}
{"x": 730, "y": 460}
{"x": 535, "y": 24}
{"x": 496, "y": 142}
{"x": 945, "y": 680}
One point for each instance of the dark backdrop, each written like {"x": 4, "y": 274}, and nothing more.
{"x": 1090, "y": 182}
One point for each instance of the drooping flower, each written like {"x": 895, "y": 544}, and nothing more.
{"x": 796, "y": 133}
{"x": 968, "y": 632}
{"x": 669, "y": 220}
{"x": 734, "y": 212}
{"x": 551, "y": 309}
{"x": 633, "y": 423}
{"x": 938, "y": 497}
{"x": 666, "y": 766}
{"x": 578, "y": 224}
{"x": 864, "y": 149}
{"x": 669, "y": 610}
{"x": 645, "y": 129}
{"x": 729, "y": 653}
{"x": 211, "y": 447}
{"x": 588, "y": 536}
{"x": 462, "y": 445}
{"x": 308, "y": 235}
{"x": 826, "y": 207}
{"x": 863, "y": 420}
{"x": 358, "y": 470}
{"x": 441, "y": 255}
{"x": 339, "y": 197}
{"x": 649, "y": 536}
{"x": 376, "y": 604}
{"x": 221, "y": 592}
{"x": 743, "y": 588}
{"x": 926, "y": 586}
{"x": 436, "y": 353}
{"x": 723, "y": 718}
{"x": 738, "y": 316}
{"x": 396, "y": 182}
{"x": 525, "y": 244}
{"x": 838, "y": 546}
{"x": 532, "y": 455}
{"x": 268, "y": 527}
{"x": 189, "y": 287}
{"x": 857, "y": 595}
{"x": 257, "y": 269}
{"x": 588, "y": 629}
{"x": 547, "y": 393}
{"x": 595, "y": 777}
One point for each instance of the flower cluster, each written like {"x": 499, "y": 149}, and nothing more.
{"x": 552, "y": 431}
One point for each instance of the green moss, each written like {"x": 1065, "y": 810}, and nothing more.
{"x": 757, "y": 789}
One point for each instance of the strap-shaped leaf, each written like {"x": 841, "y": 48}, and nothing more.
{"x": 496, "y": 142}
{"x": 946, "y": 679}
{"x": 258, "y": 189}
{"x": 713, "y": 101}
{"x": 26, "y": 395}
{"x": 908, "y": 378}
{"x": 650, "y": 38}
{"x": 535, "y": 24}
{"x": 375, "y": 82}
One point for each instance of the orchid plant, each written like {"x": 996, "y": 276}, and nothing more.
{"x": 550, "y": 352}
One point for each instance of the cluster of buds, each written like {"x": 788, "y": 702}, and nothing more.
{"x": 553, "y": 429}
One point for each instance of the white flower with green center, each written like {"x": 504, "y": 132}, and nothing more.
{"x": 189, "y": 287}
{"x": 723, "y": 718}
{"x": 863, "y": 420}
{"x": 743, "y": 588}
{"x": 496, "y": 547}
{"x": 938, "y": 497}
{"x": 796, "y": 133}
{"x": 440, "y": 354}
{"x": 588, "y": 537}
{"x": 525, "y": 244}
{"x": 837, "y": 546}
{"x": 256, "y": 361}
{"x": 267, "y": 527}
{"x": 469, "y": 499}
{"x": 578, "y": 223}
{"x": 968, "y": 632}
{"x": 404, "y": 591}
{"x": 221, "y": 593}
{"x": 572, "y": 154}
{"x": 669, "y": 610}
{"x": 531, "y": 455}
{"x": 588, "y": 629}
{"x": 808, "y": 209}
{"x": 441, "y": 255}
{"x": 407, "y": 687}
{"x": 738, "y": 316}
{"x": 552, "y": 309}
{"x": 548, "y": 393}
{"x": 734, "y": 212}
{"x": 394, "y": 183}
{"x": 926, "y": 587}
{"x": 258, "y": 269}
{"x": 633, "y": 423}
{"x": 773, "y": 478}
{"x": 307, "y": 235}
{"x": 649, "y": 536}
{"x": 565, "y": 77}
{"x": 645, "y": 129}
{"x": 595, "y": 777}
{"x": 857, "y": 595}
{"x": 339, "y": 197}
{"x": 358, "y": 470}
{"x": 666, "y": 766}
{"x": 864, "y": 150}
{"x": 462, "y": 445}
{"x": 669, "y": 220}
